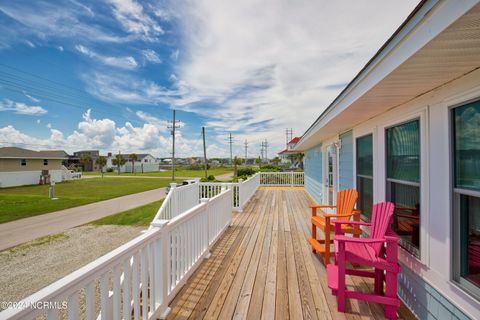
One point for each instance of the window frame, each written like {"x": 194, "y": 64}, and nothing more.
{"x": 419, "y": 118}
{"x": 23, "y": 162}
{"x": 45, "y": 162}
{"x": 455, "y": 210}
{"x": 357, "y": 175}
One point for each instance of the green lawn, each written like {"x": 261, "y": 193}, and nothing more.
{"x": 178, "y": 173}
{"x": 141, "y": 216}
{"x": 27, "y": 201}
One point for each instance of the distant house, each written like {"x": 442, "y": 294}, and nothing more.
{"x": 145, "y": 163}
{"x": 23, "y": 167}
{"x": 90, "y": 166}
{"x": 290, "y": 150}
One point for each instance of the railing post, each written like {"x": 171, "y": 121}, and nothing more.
{"x": 161, "y": 263}
{"x": 209, "y": 225}
{"x": 291, "y": 178}
{"x": 240, "y": 195}
{"x": 173, "y": 186}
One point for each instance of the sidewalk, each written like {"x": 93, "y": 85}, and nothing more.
{"x": 23, "y": 230}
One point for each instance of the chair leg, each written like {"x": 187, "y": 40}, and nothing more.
{"x": 378, "y": 284}
{"x": 314, "y": 235}
{"x": 391, "y": 291}
{"x": 326, "y": 255}
{"x": 341, "y": 281}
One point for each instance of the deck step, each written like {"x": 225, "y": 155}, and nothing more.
{"x": 332, "y": 273}
{"x": 317, "y": 246}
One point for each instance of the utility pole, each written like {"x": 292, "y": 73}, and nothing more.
{"x": 289, "y": 136}
{"x": 230, "y": 141}
{"x": 173, "y": 125}
{"x": 204, "y": 153}
{"x": 261, "y": 150}
{"x": 246, "y": 150}
{"x": 266, "y": 146}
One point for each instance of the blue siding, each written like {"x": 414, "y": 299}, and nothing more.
{"x": 424, "y": 301}
{"x": 313, "y": 172}
{"x": 346, "y": 161}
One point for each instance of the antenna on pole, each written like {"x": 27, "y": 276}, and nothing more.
{"x": 289, "y": 136}
{"x": 205, "y": 153}
{"x": 174, "y": 124}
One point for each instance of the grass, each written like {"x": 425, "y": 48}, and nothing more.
{"x": 35, "y": 243}
{"x": 141, "y": 216}
{"x": 178, "y": 173}
{"x": 22, "y": 202}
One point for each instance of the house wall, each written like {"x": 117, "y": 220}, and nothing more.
{"x": 426, "y": 284}
{"x": 345, "y": 161}
{"x": 21, "y": 178}
{"x": 13, "y": 165}
{"x": 313, "y": 172}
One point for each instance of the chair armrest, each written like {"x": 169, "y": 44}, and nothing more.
{"x": 361, "y": 223}
{"x": 342, "y": 238}
{"x": 334, "y": 215}
{"x": 317, "y": 206}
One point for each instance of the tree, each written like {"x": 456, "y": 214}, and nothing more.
{"x": 101, "y": 161}
{"x": 119, "y": 161}
{"x": 236, "y": 161}
{"x": 85, "y": 159}
{"x": 258, "y": 161}
{"x": 133, "y": 157}
{"x": 276, "y": 160}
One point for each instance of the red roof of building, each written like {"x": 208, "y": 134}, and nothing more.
{"x": 294, "y": 140}
{"x": 290, "y": 151}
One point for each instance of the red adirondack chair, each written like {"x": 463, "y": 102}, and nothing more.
{"x": 379, "y": 251}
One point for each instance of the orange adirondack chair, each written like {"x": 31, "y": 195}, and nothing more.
{"x": 346, "y": 200}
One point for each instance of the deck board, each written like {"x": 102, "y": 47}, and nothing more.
{"x": 263, "y": 268}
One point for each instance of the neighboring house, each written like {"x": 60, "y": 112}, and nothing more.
{"x": 90, "y": 166}
{"x": 23, "y": 167}
{"x": 290, "y": 150}
{"x": 406, "y": 129}
{"x": 145, "y": 163}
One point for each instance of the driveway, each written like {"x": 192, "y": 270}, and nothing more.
{"x": 23, "y": 230}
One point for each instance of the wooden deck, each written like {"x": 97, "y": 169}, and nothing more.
{"x": 262, "y": 267}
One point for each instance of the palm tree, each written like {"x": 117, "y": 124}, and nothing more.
{"x": 236, "y": 161}
{"x": 101, "y": 161}
{"x": 119, "y": 161}
{"x": 276, "y": 160}
{"x": 85, "y": 159}
{"x": 258, "y": 161}
{"x": 133, "y": 157}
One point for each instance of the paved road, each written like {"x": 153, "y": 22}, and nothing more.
{"x": 23, "y": 230}
{"x": 225, "y": 177}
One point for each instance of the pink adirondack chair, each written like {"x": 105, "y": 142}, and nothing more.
{"x": 379, "y": 251}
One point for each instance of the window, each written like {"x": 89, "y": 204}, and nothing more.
{"x": 365, "y": 176}
{"x": 23, "y": 162}
{"x": 45, "y": 162}
{"x": 466, "y": 183}
{"x": 403, "y": 182}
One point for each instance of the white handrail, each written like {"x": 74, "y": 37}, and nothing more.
{"x": 142, "y": 276}
{"x": 293, "y": 179}
{"x": 178, "y": 200}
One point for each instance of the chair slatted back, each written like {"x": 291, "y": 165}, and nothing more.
{"x": 382, "y": 215}
{"x": 346, "y": 200}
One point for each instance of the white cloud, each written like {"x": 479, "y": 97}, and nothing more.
{"x": 105, "y": 135}
{"x": 127, "y": 62}
{"x": 30, "y": 43}
{"x": 31, "y": 98}
{"x": 21, "y": 108}
{"x": 60, "y": 48}
{"x": 49, "y": 125}
{"x": 151, "y": 56}
{"x": 38, "y": 121}
{"x": 174, "y": 55}
{"x": 135, "y": 20}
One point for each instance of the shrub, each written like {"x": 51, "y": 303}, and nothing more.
{"x": 109, "y": 169}
{"x": 247, "y": 171}
{"x": 270, "y": 168}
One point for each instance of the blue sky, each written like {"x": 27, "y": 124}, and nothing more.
{"x": 107, "y": 74}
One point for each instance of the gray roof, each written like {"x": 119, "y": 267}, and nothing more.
{"x": 15, "y": 153}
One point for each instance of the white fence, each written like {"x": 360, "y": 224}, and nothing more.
{"x": 140, "y": 278}
{"x": 293, "y": 179}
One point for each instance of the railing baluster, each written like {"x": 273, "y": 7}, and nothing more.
{"x": 73, "y": 306}
{"x": 127, "y": 311}
{"x": 144, "y": 276}
{"x": 116, "y": 292}
{"x": 90, "y": 300}
{"x": 104, "y": 312}
{"x": 135, "y": 288}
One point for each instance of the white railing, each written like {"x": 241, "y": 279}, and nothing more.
{"x": 178, "y": 200}
{"x": 140, "y": 278}
{"x": 293, "y": 179}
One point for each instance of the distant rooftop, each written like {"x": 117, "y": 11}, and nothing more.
{"x": 14, "y": 153}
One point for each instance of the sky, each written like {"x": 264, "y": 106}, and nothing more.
{"x": 106, "y": 75}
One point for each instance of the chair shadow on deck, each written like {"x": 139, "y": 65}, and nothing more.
{"x": 263, "y": 267}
